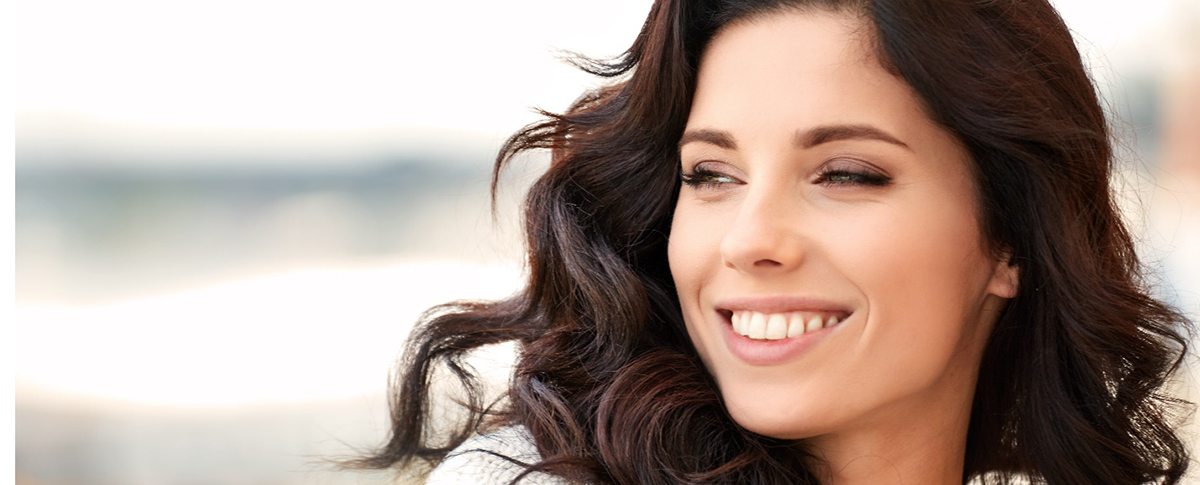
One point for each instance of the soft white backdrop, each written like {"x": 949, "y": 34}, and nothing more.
{"x": 107, "y": 334}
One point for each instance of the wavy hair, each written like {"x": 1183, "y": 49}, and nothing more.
{"x": 1070, "y": 389}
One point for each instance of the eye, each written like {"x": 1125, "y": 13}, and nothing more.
{"x": 702, "y": 178}
{"x": 846, "y": 172}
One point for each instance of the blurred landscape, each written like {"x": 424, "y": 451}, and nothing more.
{"x": 223, "y": 239}
{"x": 91, "y": 233}
{"x": 234, "y": 326}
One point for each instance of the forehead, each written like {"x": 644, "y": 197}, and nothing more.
{"x": 800, "y": 68}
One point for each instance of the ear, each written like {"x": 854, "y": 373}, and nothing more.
{"x": 1005, "y": 278}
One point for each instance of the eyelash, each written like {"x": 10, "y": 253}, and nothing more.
{"x": 704, "y": 179}
{"x": 837, "y": 176}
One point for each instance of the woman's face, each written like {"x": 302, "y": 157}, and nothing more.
{"x": 826, "y": 247}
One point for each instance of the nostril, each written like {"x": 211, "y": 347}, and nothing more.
{"x": 767, "y": 263}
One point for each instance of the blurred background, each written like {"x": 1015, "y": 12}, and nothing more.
{"x": 229, "y": 213}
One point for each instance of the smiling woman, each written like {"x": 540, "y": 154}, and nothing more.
{"x": 823, "y": 242}
{"x": 808, "y": 259}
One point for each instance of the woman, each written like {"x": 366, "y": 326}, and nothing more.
{"x": 818, "y": 242}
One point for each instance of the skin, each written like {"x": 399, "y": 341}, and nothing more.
{"x": 886, "y": 398}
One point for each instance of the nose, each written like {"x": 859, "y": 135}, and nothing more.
{"x": 765, "y": 237}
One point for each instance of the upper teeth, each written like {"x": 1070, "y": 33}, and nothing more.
{"x": 778, "y": 326}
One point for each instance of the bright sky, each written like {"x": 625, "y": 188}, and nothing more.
{"x": 248, "y": 77}
{"x": 237, "y": 74}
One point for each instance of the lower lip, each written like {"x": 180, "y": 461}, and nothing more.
{"x": 771, "y": 352}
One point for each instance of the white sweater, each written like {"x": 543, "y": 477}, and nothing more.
{"x": 476, "y": 461}
{"x": 473, "y": 462}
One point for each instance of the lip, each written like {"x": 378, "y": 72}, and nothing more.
{"x": 780, "y": 304}
{"x": 774, "y": 352}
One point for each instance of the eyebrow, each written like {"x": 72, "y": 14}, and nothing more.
{"x": 808, "y": 139}
{"x": 826, "y": 134}
{"x": 713, "y": 137}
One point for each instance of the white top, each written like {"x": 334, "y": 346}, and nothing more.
{"x": 473, "y": 462}
{"x": 476, "y": 461}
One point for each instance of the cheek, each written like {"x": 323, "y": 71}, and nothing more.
{"x": 901, "y": 249}
{"x": 692, "y": 253}
{"x": 923, "y": 272}
{"x": 678, "y": 256}
{"x": 691, "y": 249}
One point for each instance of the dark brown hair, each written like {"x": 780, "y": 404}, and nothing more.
{"x": 607, "y": 382}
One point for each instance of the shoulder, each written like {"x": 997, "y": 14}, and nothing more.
{"x": 493, "y": 458}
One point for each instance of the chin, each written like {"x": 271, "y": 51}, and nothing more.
{"x": 791, "y": 422}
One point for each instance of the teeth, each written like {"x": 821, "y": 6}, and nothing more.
{"x": 758, "y": 326}
{"x": 814, "y": 324}
{"x": 795, "y": 325}
{"x": 778, "y": 326}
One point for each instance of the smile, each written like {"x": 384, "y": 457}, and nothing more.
{"x": 773, "y": 330}
{"x": 779, "y": 326}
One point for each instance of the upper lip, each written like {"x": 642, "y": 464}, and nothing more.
{"x": 780, "y": 304}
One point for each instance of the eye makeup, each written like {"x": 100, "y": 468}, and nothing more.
{"x": 836, "y": 177}
{"x": 702, "y": 178}
{"x": 839, "y": 172}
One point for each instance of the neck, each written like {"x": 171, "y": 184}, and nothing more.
{"x": 923, "y": 442}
